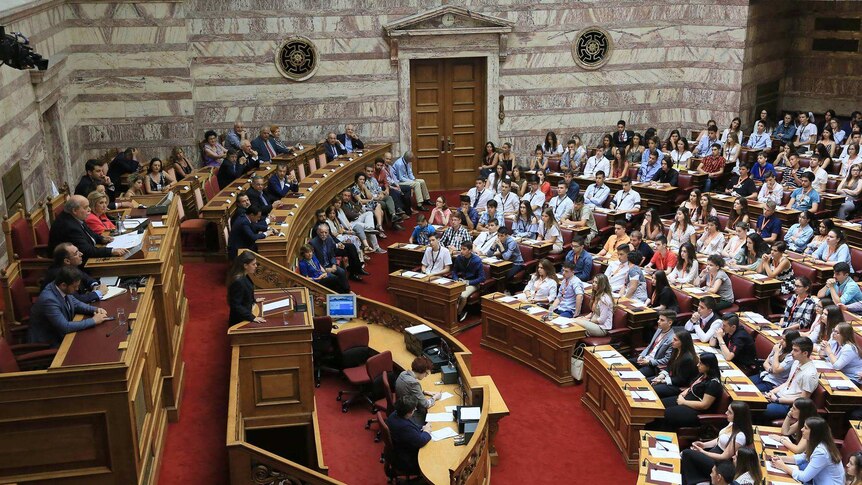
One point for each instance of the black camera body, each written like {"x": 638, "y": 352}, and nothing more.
{"x": 15, "y": 52}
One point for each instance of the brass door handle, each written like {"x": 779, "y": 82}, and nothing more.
{"x": 451, "y": 144}
{"x": 442, "y": 145}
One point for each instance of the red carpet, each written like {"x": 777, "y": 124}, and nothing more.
{"x": 548, "y": 438}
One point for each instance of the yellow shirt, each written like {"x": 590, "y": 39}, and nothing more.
{"x": 611, "y": 244}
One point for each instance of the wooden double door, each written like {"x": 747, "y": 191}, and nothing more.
{"x": 448, "y": 119}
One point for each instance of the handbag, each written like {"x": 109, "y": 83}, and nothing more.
{"x": 578, "y": 362}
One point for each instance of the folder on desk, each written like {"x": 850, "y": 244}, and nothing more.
{"x": 112, "y": 292}
{"x": 665, "y": 476}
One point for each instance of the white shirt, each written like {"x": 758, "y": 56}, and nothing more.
{"x": 680, "y": 160}
{"x": 624, "y": 201}
{"x": 562, "y": 207}
{"x": 596, "y": 196}
{"x": 776, "y": 194}
{"x": 436, "y": 262}
{"x": 483, "y": 197}
{"x": 699, "y": 333}
{"x": 484, "y": 242}
{"x": 616, "y": 274}
{"x": 507, "y": 203}
{"x": 821, "y": 177}
{"x": 847, "y": 164}
{"x": 595, "y": 163}
{"x": 544, "y": 291}
{"x": 725, "y": 134}
{"x": 801, "y": 378}
{"x": 536, "y": 199}
{"x": 804, "y": 133}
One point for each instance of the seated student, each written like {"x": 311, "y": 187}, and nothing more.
{"x": 735, "y": 343}
{"x": 722, "y": 473}
{"x": 705, "y": 321}
{"x": 440, "y": 214}
{"x": 697, "y": 462}
{"x": 598, "y": 163}
{"x": 801, "y": 382}
{"x": 805, "y": 198}
{"x": 667, "y": 174}
{"x": 760, "y": 169}
{"x": 507, "y": 249}
{"x": 854, "y": 469}
{"x": 549, "y": 231}
{"x": 768, "y": 224}
{"x": 570, "y": 295}
{"x": 770, "y": 190}
{"x": 681, "y": 369}
{"x": 561, "y": 205}
{"x": 618, "y": 269}
{"x": 437, "y": 260}
{"x": 281, "y": 183}
{"x": 647, "y": 171}
{"x": 480, "y": 195}
{"x": 53, "y": 314}
{"x": 407, "y": 436}
{"x": 834, "y": 250}
{"x": 626, "y": 201}
{"x": 747, "y": 470}
{"x": 597, "y": 193}
{"x": 713, "y": 279}
{"x": 801, "y": 233}
{"x": 639, "y": 245}
{"x": 486, "y": 241}
{"x": 799, "y": 310}
{"x": 535, "y": 197}
{"x": 657, "y": 354}
{"x": 490, "y": 214}
{"x": 422, "y": 232}
{"x": 244, "y": 233}
{"x": 542, "y": 287}
{"x": 682, "y": 410}
{"x": 616, "y": 239}
{"x": 663, "y": 297}
{"x": 582, "y": 216}
{"x": 456, "y": 234}
{"x": 67, "y": 255}
{"x": 573, "y": 189}
{"x": 634, "y": 285}
{"x": 472, "y": 215}
{"x": 467, "y": 267}
{"x": 713, "y": 166}
{"x": 841, "y": 288}
{"x": 711, "y": 242}
{"x": 581, "y": 259}
{"x": 601, "y": 317}
{"x": 407, "y": 385}
{"x": 776, "y": 265}
{"x": 741, "y": 185}
{"x": 821, "y": 461}
{"x": 311, "y": 268}
{"x": 571, "y": 159}
{"x": 507, "y": 202}
{"x": 841, "y": 351}
{"x": 776, "y": 366}
{"x": 663, "y": 258}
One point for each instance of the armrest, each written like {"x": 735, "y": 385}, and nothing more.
{"x": 36, "y": 360}
{"x": 42, "y": 250}
{"x": 744, "y": 301}
{"x": 615, "y": 332}
{"x": 23, "y": 349}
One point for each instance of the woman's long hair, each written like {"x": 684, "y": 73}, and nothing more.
{"x": 237, "y": 269}
{"x": 686, "y": 347}
{"x": 820, "y": 434}
{"x": 741, "y": 422}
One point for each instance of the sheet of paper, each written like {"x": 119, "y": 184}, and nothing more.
{"x": 664, "y": 476}
{"x": 275, "y": 305}
{"x": 533, "y": 310}
{"x": 665, "y": 446}
{"x": 133, "y": 223}
{"x": 757, "y": 276}
{"x": 507, "y": 299}
{"x": 112, "y": 292}
{"x": 607, "y": 353}
{"x": 109, "y": 280}
{"x": 695, "y": 290}
{"x": 449, "y": 409}
{"x": 629, "y": 374}
{"x": 417, "y": 329}
{"x": 843, "y": 383}
{"x": 157, "y": 224}
{"x": 772, "y": 469}
{"x": 127, "y": 241}
{"x": 492, "y": 259}
{"x": 756, "y": 317}
{"x": 744, "y": 387}
{"x": 439, "y": 418}
{"x": 659, "y": 453}
{"x": 732, "y": 373}
{"x": 767, "y": 441}
{"x": 443, "y": 433}
{"x": 563, "y": 321}
{"x": 472, "y": 413}
{"x": 637, "y": 303}
{"x": 442, "y": 281}
{"x": 616, "y": 360}
{"x": 822, "y": 364}
{"x": 648, "y": 395}
{"x": 409, "y": 246}
{"x": 412, "y": 274}
{"x": 445, "y": 396}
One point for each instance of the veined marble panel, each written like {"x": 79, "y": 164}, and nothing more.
{"x": 350, "y": 90}
{"x": 93, "y": 36}
{"x": 132, "y": 60}
{"x": 125, "y": 10}
{"x": 234, "y": 71}
{"x": 256, "y": 48}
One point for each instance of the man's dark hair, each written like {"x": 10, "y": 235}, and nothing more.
{"x": 621, "y": 122}
{"x": 492, "y": 203}
{"x": 503, "y": 230}
{"x": 467, "y": 245}
{"x": 709, "y": 302}
{"x": 661, "y": 238}
{"x": 808, "y": 175}
{"x": 67, "y": 275}
{"x": 712, "y": 129}
{"x": 731, "y": 319}
{"x": 635, "y": 258}
{"x": 805, "y": 345}
{"x": 92, "y": 164}
{"x": 570, "y": 265}
{"x": 579, "y": 240}
{"x": 626, "y": 180}
{"x": 725, "y": 470}
{"x": 129, "y": 152}
{"x": 61, "y": 252}
{"x": 716, "y": 146}
{"x": 841, "y": 267}
{"x": 405, "y": 405}
{"x": 253, "y": 210}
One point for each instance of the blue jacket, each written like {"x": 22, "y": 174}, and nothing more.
{"x": 274, "y": 190}
{"x": 470, "y": 270}
{"x": 243, "y": 235}
{"x": 407, "y": 439}
{"x": 324, "y": 251}
{"x": 259, "y": 146}
{"x": 583, "y": 266}
{"x": 52, "y": 314}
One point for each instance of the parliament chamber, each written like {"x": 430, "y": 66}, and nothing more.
{"x": 258, "y": 243}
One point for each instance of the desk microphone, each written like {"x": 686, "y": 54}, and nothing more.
{"x": 113, "y": 330}
{"x": 625, "y": 386}
{"x": 611, "y": 367}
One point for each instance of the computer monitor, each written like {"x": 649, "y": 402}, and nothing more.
{"x": 341, "y": 308}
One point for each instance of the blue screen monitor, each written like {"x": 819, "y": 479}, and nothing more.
{"x": 341, "y": 308}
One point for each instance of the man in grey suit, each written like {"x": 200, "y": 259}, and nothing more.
{"x": 408, "y": 384}
{"x": 657, "y": 354}
{"x": 52, "y": 316}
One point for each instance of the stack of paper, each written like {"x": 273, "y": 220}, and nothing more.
{"x": 277, "y": 304}
{"x": 112, "y": 292}
{"x": 732, "y": 373}
{"x": 647, "y": 395}
{"x": 664, "y": 476}
{"x": 767, "y": 441}
{"x": 560, "y": 321}
{"x": 490, "y": 260}
{"x": 443, "y": 433}
{"x": 439, "y": 418}
{"x": 629, "y": 374}
{"x": 840, "y": 384}
{"x": 772, "y": 469}
{"x": 756, "y": 317}
{"x": 409, "y": 246}
{"x": 664, "y": 450}
{"x": 472, "y": 413}
{"x": 445, "y": 396}
{"x": 442, "y": 281}
{"x": 822, "y": 364}
{"x": 744, "y": 387}
{"x": 533, "y": 310}
{"x": 757, "y": 276}
{"x": 417, "y": 329}
{"x": 412, "y": 274}
{"x": 507, "y": 299}
{"x": 607, "y": 353}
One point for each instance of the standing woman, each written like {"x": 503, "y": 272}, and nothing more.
{"x": 214, "y": 152}
{"x": 776, "y": 264}
{"x": 542, "y": 288}
{"x": 681, "y": 369}
{"x": 738, "y": 213}
{"x": 619, "y": 165}
{"x": 549, "y": 231}
{"x": 799, "y": 234}
{"x": 681, "y": 154}
{"x": 181, "y": 165}
{"x": 821, "y": 461}
{"x": 819, "y": 239}
{"x": 634, "y": 150}
{"x": 157, "y": 179}
{"x": 551, "y": 146}
{"x": 519, "y": 183}
{"x": 490, "y": 160}
{"x": 850, "y": 187}
{"x": 240, "y": 289}
{"x": 686, "y": 269}
{"x": 652, "y": 227}
{"x": 681, "y": 231}
{"x": 697, "y": 461}
{"x": 601, "y": 318}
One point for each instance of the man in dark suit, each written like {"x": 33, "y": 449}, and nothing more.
{"x": 263, "y": 146}
{"x": 229, "y": 170}
{"x": 281, "y": 183}
{"x": 332, "y": 147}
{"x": 622, "y": 136}
{"x": 407, "y": 436}
{"x": 53, "y": 314}
{"x": 122, "y": 164}
{"x": 252, "y": 160}
{"x": 326, "y": 249}
{"x": 350, "y": 140}
{"x": 656, "y": 355}
{"x": 242, "y": 204}
{"x": 95, "y": 177}
{"x": 257, "y": 195}
{"x": 67, "y": 255}
{"x": 69, "y": 227}
{"x": 275, "y": 139}
{"x": 245, "y": 232}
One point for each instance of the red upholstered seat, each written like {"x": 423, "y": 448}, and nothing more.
{"x": 23, "y": 241}
{"x": 685, "y": 305}
{"x": 356, "y": 375}
{"x": 618, "y": 332}
{"x": 851, "y": 445}
{"x": 762, "y": 346}
{"x": 352, "y": 345}
{"x": 685, "y": 187}
{"x": 743, "y": 290}
{"x": 16, "y": 358}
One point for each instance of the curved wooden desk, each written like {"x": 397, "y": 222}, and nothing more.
{"x": 441, "y": 462}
